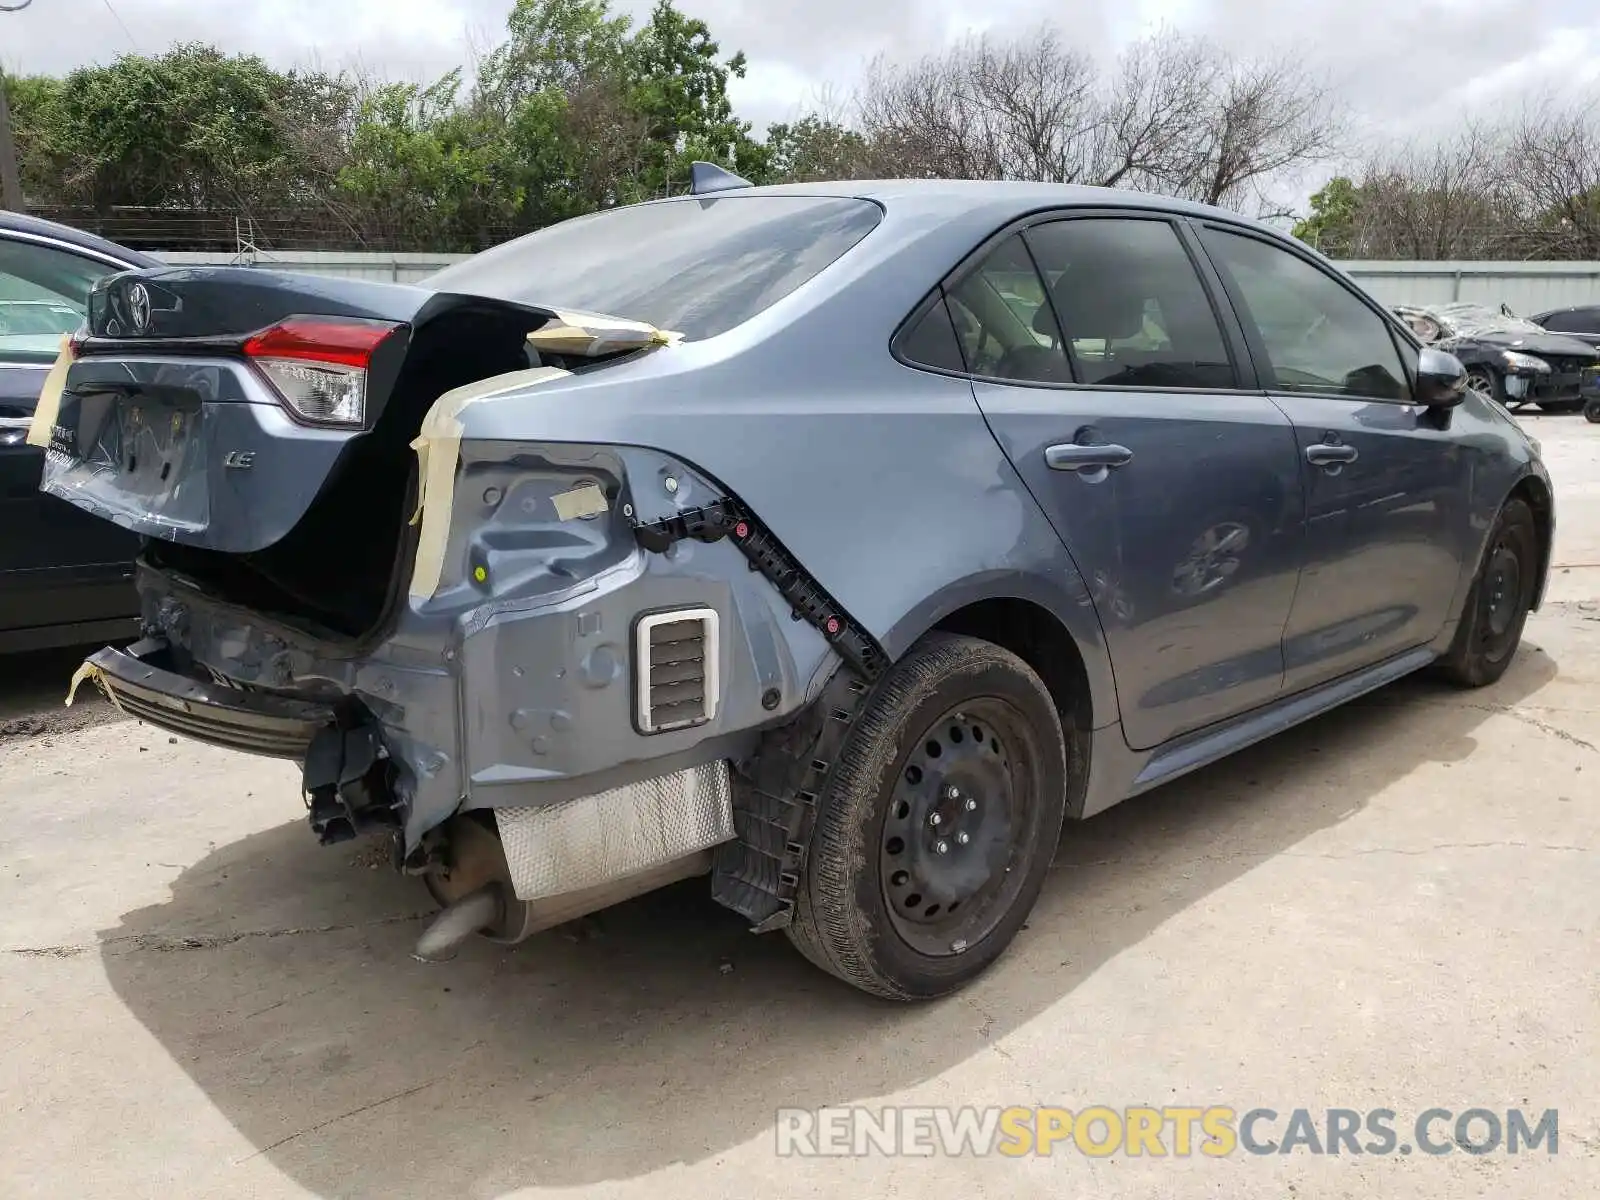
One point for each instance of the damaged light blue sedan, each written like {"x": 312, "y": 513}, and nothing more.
{"x": 833, "y": 543}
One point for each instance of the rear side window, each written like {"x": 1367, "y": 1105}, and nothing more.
{"x": 1131, "y": 304}
{"x": 1318, "y": 335}
{"x": 931, "y": 342}
{"x": 1007, "y": 331}
{"x": 695, "y": 266}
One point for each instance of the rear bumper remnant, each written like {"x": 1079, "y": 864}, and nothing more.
{"x": 252, "y": 722}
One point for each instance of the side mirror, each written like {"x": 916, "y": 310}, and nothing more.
{"x": 1441, "y": 379}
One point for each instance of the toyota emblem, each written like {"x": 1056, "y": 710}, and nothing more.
{"x": 139, "y": 308}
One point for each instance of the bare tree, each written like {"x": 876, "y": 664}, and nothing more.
{"x": 1158, "y": 99}
{"x": 1025, "y": 109}
{"x": 1261, "y": 121}
{"x": 1553, "y": 169}
{"x": 1037, "y": 105}
{"x": 920, "y": 120}
{"x": 1438, "y": 200}
{"x": 1177, "y": 115}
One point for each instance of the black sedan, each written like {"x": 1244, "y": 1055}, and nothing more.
{"x": 65, "y": 577}
{"x": 1512, "y": 359}
{"x": 1581, "y": 321}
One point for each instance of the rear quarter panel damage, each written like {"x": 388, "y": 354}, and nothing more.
{"x": 883, "y": 481}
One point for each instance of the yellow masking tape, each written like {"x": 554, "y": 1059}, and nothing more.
{"x": 49, "y": 407}
{"x": 591, "y": 335}
{"x": 580, "y": 502}
{"x": 438, "y": 444}
{"x": 438, "y": 448}
{"x": 90, "y": 672}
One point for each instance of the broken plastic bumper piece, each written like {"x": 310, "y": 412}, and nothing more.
{"x": 349, "y": 780}
{"x": 141, "y": 682}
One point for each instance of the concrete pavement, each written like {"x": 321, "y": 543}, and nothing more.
{"x": 1396, "y": 906}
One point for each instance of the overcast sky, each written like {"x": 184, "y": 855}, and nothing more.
{"x": 1401, "y": 63}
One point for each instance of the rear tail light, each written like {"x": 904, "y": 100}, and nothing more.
{"x": 319, "y": 365}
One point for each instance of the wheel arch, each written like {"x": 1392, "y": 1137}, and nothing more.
{"x": 1535, "y": 493}
{"x": 1076, "y": 672}
{"x": 1053, "y": 618}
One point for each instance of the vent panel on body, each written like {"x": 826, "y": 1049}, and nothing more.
{"x": 675, "y": 664}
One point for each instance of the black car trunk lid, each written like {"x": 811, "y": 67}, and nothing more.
{"x": 256, "y": 427}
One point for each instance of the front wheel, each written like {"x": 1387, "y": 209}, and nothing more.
{"x": 938, "y": 825}
{"x": 1497, "y": 607}
{"x": 1591, "y": 412}
{"x": 1487, "y": 381}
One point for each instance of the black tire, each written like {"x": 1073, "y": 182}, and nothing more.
{"x": 1497, "y": 606}
{"x": 1006, "y": 749}
{"x": 1591, "y": 412}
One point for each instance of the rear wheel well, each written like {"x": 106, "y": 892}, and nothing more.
{"x": 1034, "y": 635}
{"x": 1534, "y": 494}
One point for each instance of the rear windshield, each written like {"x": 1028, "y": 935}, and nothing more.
{"x": 694, "y": 266}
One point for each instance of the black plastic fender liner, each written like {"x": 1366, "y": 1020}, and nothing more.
{"x": 810, "y": 601}
{"x": 775, "y": 799}
{"x": 776, "y": 792}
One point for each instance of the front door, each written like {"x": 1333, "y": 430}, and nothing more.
{"x": 1386, "y": 484}
{"x": 1173, "y": 486}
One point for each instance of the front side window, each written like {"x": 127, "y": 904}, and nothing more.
{"x": 1131, "y": 304}
{"x": 1318, "y": 336}
{"x": 43, "y": 294}
{"x": 697, "y": 266}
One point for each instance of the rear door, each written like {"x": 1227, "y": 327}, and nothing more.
{"x": 1173, "y": 485}
{"x": 58, "y": 564}
{"x": 1386, "y": 483}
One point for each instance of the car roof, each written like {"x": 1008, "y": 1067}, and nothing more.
{"x": 934, "y": 197}
{"x": 1567, "y": 308}
{"x": 15, "y": 222}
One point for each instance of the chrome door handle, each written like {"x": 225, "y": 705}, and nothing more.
{"x": 1071, "y": 456}
{"x": 1328, "y": 454}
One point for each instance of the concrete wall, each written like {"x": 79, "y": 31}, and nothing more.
{"x": 1527, "y": 287}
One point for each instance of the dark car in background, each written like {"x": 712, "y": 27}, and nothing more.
{"x": 1512, "y": 359}
{"x": 1581, "y": 321}
{"x": 65, "y": 577}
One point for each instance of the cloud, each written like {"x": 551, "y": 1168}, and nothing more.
{"x": 1405, "y": 66}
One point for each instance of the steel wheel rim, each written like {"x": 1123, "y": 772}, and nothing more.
{"x": 1479, "y": 382}
{"x": 980, "y": 786}
{"x": 1502, "y": 592}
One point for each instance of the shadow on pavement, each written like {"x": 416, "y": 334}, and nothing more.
{"x": 279, "y": 978}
